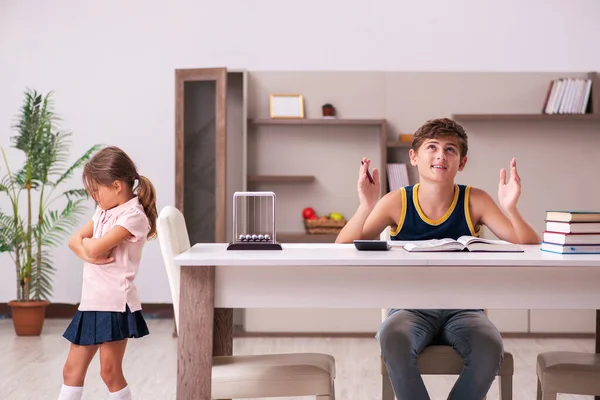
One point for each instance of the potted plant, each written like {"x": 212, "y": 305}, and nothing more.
{"x": 328, "y": 110}
{"x": 32, "y": 226}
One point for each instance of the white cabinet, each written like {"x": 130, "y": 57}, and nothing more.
{"x": 562, "y": 321}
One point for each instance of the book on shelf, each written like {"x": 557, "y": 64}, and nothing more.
{"x": 571, "y": 249}
{"x": 568, "y": 96}
{"x": 397, "y": 175}
{"x": 463, "y": 243}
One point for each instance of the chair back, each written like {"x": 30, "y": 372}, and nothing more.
{"x": 174, "y": 240}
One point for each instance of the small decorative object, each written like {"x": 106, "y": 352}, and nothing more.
{"x": 324, "y": 224}
{"x": 328, "y": 111}
{"x": 408, "y": 137}
{"x": 286, "y": 106}
{"x": 254, "y": 221}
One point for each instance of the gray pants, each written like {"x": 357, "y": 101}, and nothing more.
{"x": 405, "y": 333}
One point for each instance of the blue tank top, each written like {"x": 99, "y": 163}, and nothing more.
{"x": 414, "y": 225}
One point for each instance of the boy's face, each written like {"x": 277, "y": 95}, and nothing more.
{"x": 438, "y": 159}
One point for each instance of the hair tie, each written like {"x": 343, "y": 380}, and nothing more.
{"x": 137, "y": 176}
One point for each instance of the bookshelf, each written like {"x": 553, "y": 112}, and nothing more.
{"x": 318, "y": 121}
{"x": 372, "y": 127}
{"x": 592, "y": 113}
{"x": 281, "y": 178}
{"x": 397, "y": 144}
{"x": 527, "y": 117}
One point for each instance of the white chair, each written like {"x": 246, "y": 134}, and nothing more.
{"x": 444, "y": 360}
{"x": 252, "y": 376}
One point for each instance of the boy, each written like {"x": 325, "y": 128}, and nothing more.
{"x": 437, "y": 208}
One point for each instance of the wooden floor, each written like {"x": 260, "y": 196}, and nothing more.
{"x": 31, "y": 368}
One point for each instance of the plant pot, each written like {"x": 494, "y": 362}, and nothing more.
{"x": 28, "y": 317}
{"x": 328, "y": 111}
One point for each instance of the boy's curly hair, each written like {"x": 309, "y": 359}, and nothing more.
{"x": 438, "y": 128}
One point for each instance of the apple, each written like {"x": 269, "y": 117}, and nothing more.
{"x": 336, "y": 216}
{"x": 309, "y": 213}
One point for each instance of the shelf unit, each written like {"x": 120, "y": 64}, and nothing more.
{"x": 526, "y": 117}
{"x": 281, "y": 178}
{"x": 592, "y": 114}
{"x": 395, "y": 144}
{"x": 357, "y": 122}
{"x": 379, "y": 124}
{"x": 286, "y": 237}
{"x": 318, "y": 121}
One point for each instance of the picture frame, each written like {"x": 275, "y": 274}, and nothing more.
{"x": 286, "y": 106}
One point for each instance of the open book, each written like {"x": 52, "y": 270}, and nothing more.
{"x": 463, "y": 243}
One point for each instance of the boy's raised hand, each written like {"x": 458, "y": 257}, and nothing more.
{"x": 509, "y": 192}
{"x": 368, "y": 192}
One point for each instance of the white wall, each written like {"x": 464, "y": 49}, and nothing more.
{"x": 111, "y": 64}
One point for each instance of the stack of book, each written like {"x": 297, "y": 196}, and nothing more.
{"x": 572, "y": 232}
{"x": 397, "y": 176}
{"x": 568, "y": 96}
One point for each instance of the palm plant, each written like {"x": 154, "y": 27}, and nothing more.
{"x": 46, "y": 166}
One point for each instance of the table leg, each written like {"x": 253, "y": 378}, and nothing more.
{"x": 597, "y": 339}
{"x": 195, "y": 343}
{"x": 597, "y": 331}
{"x": 223, "y": 332}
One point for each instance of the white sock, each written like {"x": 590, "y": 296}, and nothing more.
{"x": 70, "y": 392}
{"x": 123, "y": 394}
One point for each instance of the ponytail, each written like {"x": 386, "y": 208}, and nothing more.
{"x": 147, "y": 197}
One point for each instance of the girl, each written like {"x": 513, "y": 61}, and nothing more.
{"x": 111, "y": 245}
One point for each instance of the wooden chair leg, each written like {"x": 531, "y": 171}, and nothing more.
{"x": 541, "y": 395}
{"x": 330, "y": 396}
{"x": 387, "y": 391}
{"x": 506, "y": 387}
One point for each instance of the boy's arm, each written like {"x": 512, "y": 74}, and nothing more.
{"x": 510, "y": 226}
{"x": 76, "y": 245}
{"x": 372, "y": 216}
{"x": 368, "y": 222}
{"x": 102, "y": 246}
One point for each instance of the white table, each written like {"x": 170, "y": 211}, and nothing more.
{"x": 214, "y": 281}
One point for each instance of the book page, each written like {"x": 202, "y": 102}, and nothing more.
{"x": 467, "y": 240}
{"x": 434, "y": 245}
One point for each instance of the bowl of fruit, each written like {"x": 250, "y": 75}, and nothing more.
{"x": 331, "y": 223}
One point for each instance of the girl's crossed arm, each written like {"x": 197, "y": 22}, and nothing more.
{"x": 76, "y": 245}
{"x": 101, "y": 247}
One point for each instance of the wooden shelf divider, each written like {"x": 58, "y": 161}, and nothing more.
{"x": 393, "y": 143}
{"x": 302, "y": 237}
{"x": 317, "y": 121}
{"x": 281, "y": 178}
{"x": 593, "y": 114}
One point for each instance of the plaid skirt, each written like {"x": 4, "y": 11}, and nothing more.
{"x": 97, "y": 327}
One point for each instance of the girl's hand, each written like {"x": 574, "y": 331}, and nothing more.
{"x": 368, "y": 193}
{"x": 99, "y": 260}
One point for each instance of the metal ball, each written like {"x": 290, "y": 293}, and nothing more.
{"x": 267, "y": 237}
{"x": 254, "y": 237}
{"x": 242, "y": 238}
{"x": 248, "y": 237}
{"x": 261, "y": 237}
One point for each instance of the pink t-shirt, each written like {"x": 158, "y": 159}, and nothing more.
{"x": 109, "y": 287}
